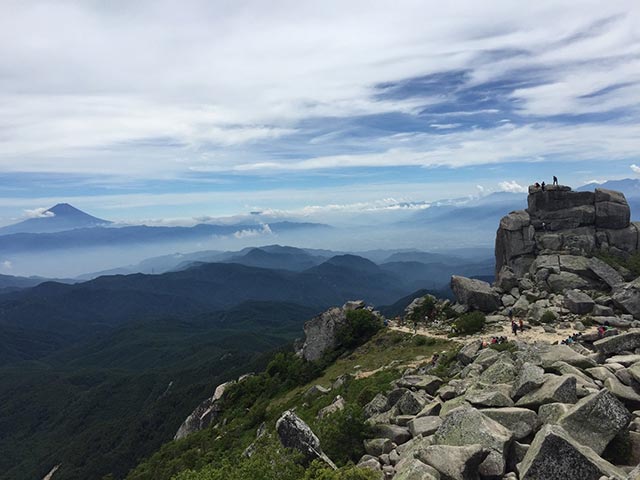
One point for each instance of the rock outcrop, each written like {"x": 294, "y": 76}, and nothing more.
{"x": 204, "y": 414}
{"x": 294, "y": 433}
{"x": 322, "y": 332}
{"x": 559, "y": 221}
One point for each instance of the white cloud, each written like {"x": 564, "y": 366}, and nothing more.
{"x": 253, "y": 232}
{"x": 512, "y": 186}
{"x": 7, "y": 265}
{"x": 635, "y": 168}
{"x": 41, "y": 212}
{"x": 210, "y": 75}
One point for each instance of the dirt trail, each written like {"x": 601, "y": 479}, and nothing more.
{"x": 532, "y": 335}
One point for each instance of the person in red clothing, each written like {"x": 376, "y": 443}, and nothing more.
{"x": 521, "y": 325}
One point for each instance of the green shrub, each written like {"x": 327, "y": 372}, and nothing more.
{"x": 548, "y": 317}
{"x": 421, "y": 313}
{"x": 361, "y": 326}
{"x": 504, "y": 347}
{"x": 319, "y": 471}
{"x": 469, "y": 323}
{"x": 588, "y": 322}
{"x": 342, "y": 434}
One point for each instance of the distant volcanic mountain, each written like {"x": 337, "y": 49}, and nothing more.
{"x": 59, "y": 218}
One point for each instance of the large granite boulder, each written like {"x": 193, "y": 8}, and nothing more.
{"x": 595, "y": 420}
{"x": 578, "y": 302}
{"x": 204, "y": 414}
{"x": 294, "y": 433}
{"x": 605, "y": 272}
{"x": 453, "y": 462}
{"x": 414, "y": 469}
{"x": 521, "y": 421}
{"x": 530, "y": 377}
{"x": 468, "y": 426}
{"x": 553, "y": 454}
{"x": 474, "y": 293}
{"x": 618, "y": 343}
{"x": 612, "y": 209}
{"x": 556, "y": 389}
{"x": 626, "y": 296}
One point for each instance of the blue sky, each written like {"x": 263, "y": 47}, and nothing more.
{"x": 163, "y": 112}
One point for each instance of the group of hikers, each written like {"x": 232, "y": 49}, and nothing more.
{"x": 603, "y": 329}
{"x": 570, "y": 339}
{"x": 515, "y": 325}
{"x": 543, "y": 185}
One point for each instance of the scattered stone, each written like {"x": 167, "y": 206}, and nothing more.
{"x": 475, "y": 293}
{"x": 556, "y": 389}
{"x": 553, "y": 412}
{"x": 595, "y": 420}
{"x": 627, "y": 394}
{"x": 468, "y": 426}
{"x": 627, "y": 297}
{"x": 410, "y": 403}
{"x": 297, "y": 435}
{"x": 605, "y": 272}
{"x": 316, "y": 391}
{"x": 467, "y": 353}
{"x": 555, "y": 455}
{"x": 378, "y": 446}
{"x": 619, "y": 343}
{"x": 455, "y": 462}
{"x": 424, "y": 426}
{"x": 428, "y": 383}
{"x": 395, "y": 433}
{"x": 578, "y": 302}
{"x": 521, "y": 421}
{"x": 378, "y": 404}
{"x": 414, "y": 469}
{"x": 530, "y": 377}
{"x": 337, "y": 405}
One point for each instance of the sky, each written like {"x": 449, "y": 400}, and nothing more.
{"x": 160, "y": 111}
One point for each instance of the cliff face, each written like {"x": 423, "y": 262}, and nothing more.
{"x": 560, "y": 221}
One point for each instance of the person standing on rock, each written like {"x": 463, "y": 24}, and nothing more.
{"x": 543, "y": 186}
{"x": 521, "y": 325}
{"x": 555, "y": 180}
{"x": 514, "y": 327}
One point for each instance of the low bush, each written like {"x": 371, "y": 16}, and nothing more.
{"x": 361, "y": 326}
{"x": 342, "y": 434}
{"x": 469, "y": 323}
{"x": 548, "y": 317}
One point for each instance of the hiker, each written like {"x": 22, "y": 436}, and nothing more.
{"x": 514, "y": 328}
{"x": 521, "y": 325}
{"x": 555, "y": 180}
{"x": 511, "y": 314}
{"x": 544, "y": 227}
{"x": 536, "y": 185}
{"x": 415, "y": 327}
{"x": 542, "y": 186}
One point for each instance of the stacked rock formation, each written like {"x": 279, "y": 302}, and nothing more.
{"x": 547, "y": 260}
{"x": 560, "y": 221}
{"x": 541, "y": 412}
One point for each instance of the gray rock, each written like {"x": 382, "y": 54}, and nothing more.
{"x": 627, "y": 394}
{"x": 605, "y": 272}
{"x": 624, "y": 360}
{"x": 378, "y": 404}
{"x": 613, "y": 213}
{"x": 553, "y": 412}
{"x": 204, "y": 414}
{"x": 489, "y": 395}
{"x": 555, "y": 455}
{"x": 563, "y": 281}
{"x": 395, "y": 433}
{"x": 578, "y": 302}
{"x": 431, "y": 408}
{"x": 475, "y": 293}
{"x": 297, "y": 435}
{"x": 411, "y": 403}
{"x": 521, "y": 421}
{"x": 599, "y": 373}
{"x": 321, "y": 333}
{"x": 316, "y": 391}
{"x": 602, "y": 311}
{"x": 612, "y": 321}
{"x": 455, "y": 462}
{"x": 424, "y": 426}
{"x": 564, "y": 353}
{"x": 556, "y": 389}
{"x": 624, "y": 342}
{"x": 467, "y": 353}
{"x": 414, "y": 469}
{"x": 337, "y": 405}
{"x": 595, "y": 420}
{"x": 378, "y": 446}
{"x": 468, "y": 426}
{"x": 428, "y": 383}
{"x": 503, "y": 371}
{"x": 452, "y": 405}
{"x": 627, "y": 297}
{"x": 530, "y": 377}
{"x": 521, "y": 307}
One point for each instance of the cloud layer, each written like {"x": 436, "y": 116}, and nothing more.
{"x": 283, "y": 90}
